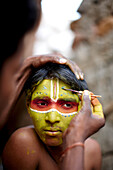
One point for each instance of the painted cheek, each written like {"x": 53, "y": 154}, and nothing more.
{"x": 67, "y": 119}
{"x": 38, "y": 119}
{"x": 39, "y": 123}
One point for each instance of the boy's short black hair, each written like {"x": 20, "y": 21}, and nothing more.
{"x": 52, "y": 70}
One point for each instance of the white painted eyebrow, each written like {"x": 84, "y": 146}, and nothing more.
{"x": 54, "y": 110}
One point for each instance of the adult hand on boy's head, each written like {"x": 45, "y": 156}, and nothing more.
{"x": 40, "y": 60}
{"x": 86, "y": 123}
{"x": 60, "y": 59}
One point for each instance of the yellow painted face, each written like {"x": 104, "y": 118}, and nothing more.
{"x": 52, "y": 109}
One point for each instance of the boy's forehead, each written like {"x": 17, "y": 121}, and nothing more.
{"x": 52, "y": 88}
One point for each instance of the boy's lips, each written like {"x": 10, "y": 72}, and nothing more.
{"x": 53, "y": 132}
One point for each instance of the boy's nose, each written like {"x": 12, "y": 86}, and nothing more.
{"x": 52, "y": 117}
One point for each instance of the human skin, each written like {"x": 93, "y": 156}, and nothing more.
{"x": 25, "y": 150}
{"x": 51, "y": 109}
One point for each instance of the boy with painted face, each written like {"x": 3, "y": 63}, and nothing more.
{"x": 52, "y": 108}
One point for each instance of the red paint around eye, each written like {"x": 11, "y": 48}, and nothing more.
{"x": 61, "y": 105}
{"x": 40, "y": 104}
{"x": 67, "y": 106}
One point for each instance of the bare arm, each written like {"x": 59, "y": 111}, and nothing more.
{"x": 81, "y": 127}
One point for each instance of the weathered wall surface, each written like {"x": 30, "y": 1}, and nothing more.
{"x": 93, "y": 52}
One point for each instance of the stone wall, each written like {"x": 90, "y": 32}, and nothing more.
{"x": 93, "y": 52}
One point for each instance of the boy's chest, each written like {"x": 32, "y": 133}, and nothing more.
{"x": 47, "y": 163}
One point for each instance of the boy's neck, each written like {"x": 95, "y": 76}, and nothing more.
{"x": 55, "y": 152}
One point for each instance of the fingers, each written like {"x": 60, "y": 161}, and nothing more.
{"x": 86, "y": 103}
{"x": 60, "y": 59}
{"x": 95, "y": 101}
{"x": 91, "y": 105}
{"x": 95, "y": 118}
{"x": 37, "y": 61}
{"x": 54, "y": 58}
{"x": 75, "y": 69}
{"x": 98, "y": 111}
{"x": 97, "y": 107}
{"x": 79, "y": 74}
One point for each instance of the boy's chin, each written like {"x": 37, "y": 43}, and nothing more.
{"x": 53, "y": 142}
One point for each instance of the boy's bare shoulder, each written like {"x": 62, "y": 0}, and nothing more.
{"x": 23, "y": 146}
{"x": 23, "y": 135}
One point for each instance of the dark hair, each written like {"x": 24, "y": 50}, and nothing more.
{"x": 52, "y": 70}
{"x": 17, "y": 17}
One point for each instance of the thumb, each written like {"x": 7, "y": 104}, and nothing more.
{"x": 86, "y": 102}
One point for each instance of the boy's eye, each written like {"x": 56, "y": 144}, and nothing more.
{"x": 40, "y": 103}
{"x": 67, "y": 105}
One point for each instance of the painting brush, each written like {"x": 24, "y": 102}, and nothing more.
{"x": 79, "y": 92}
